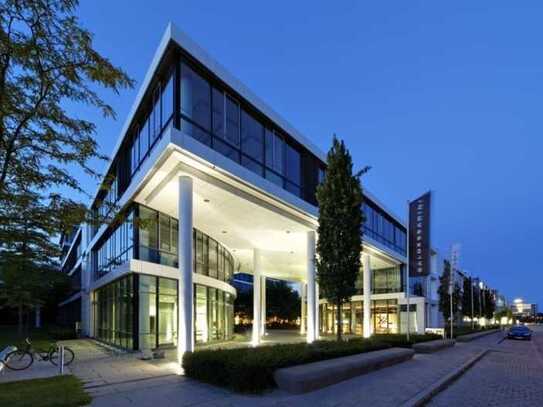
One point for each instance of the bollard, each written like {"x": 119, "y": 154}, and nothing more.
{"x": 61, "y": 359}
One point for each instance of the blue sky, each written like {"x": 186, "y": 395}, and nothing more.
{"x": 433, "y": 95}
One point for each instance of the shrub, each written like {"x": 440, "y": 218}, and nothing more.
{"x": 400, "y": 340}
{"x": 250, "y": 370}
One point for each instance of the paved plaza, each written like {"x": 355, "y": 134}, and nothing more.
{"x": 511, "y": 374}
{"x": 387, "y": 387}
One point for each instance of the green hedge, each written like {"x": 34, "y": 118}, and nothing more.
{"x": 466, "y": 330}
{"x": 250, "y": 370}
{"x": 400, "y": 340}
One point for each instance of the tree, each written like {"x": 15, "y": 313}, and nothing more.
{"x": 26, "y": 285}
{"x": 467, "y": 291}
{"x": 489, "y": 304}
{"x": 47, "y": 67}
{"x": 477, "y": 301}
{"x": 282, "y": 301}
{"x": 504, "y": 313}
{"x": 340, "y": 228}
{"x": 444, "y": 297}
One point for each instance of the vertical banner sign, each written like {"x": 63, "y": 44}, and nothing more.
{"x": 419, "y": 236}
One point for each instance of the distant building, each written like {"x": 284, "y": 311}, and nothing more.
{"x": 522, "y": 309}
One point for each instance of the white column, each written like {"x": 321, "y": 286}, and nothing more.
{"x": 317, "y": 312}
{"x": 311, "y": 288}
{"x": 256, "y": 297}
{"x": 263, "y": 307}
{"x": 185, "y": 338}
{"x": 303, "y": 291}
{"x": 366, "y": 270}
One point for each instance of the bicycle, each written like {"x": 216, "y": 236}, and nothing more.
{"x": 22, "y": 359}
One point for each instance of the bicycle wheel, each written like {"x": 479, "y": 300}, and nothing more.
{"x": 54, "y": 356}
{"x": 19, "y": 360}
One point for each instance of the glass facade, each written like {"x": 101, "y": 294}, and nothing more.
{"x": 139, "y": 311}
{"x": 116, "y": 248}
{"x": 157, "y": 241}
{"x": 157, "y": 237}
{"x": 383, "y": 281}
{"x": 382, "y": 228}
{"x": 214, "y": 314}
{"x": 114, "y": 313}
{"x": 215, "y": 118}
{"x": 157, "y": 312}
{"x": 386, "y": 317}
{"x": 149, "y": 128}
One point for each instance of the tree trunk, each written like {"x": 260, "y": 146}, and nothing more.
{"x": 339, "y": 326}
{"x": 20, "y": 320}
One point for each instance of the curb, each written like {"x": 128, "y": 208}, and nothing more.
{"x": 426, "y": 395}
{"x": 476, "y": 335}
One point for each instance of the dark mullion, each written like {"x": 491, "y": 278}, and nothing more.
{"x": 177, "y": 92}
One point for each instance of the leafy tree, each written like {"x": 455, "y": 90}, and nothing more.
{"x": 47, "y": 67}
{"x": 444, "y": 297}
{"x": 282, "y": 301}
{"x": 489, "y": 304}
{"x": 504, "y": 312}
{"x": 467, "y": 290}
{"x": 477, "y": 304}
{"x": 340, "y": 228}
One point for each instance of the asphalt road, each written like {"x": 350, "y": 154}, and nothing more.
{"x": 511, "y": 374}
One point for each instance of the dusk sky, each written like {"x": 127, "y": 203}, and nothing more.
{"x": 445, "y": 96}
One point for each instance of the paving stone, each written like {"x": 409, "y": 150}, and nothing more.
{"x": 511, "y": 374}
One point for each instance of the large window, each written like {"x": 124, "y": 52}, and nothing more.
{"x": 116, "y": 248}
{"x": 158, "y": 240}
{"x": 114, "y": 313}
{"x": 383, "y": 281}
{"x": 386, "y": 280}
{"x": 213, "y": 117}
{"x": 195, "y": 105}
{"x": 158, "y": 114}
{"x": 383, "y": 229}
{"x": 385, "y": 317}
{"x": 293, "y": 170}
{"x": 157, "y": 237}
{"x": 252, "y": 142}
{"x": 211, "y": 258}
{"x": 214, "y": 314}
{"x": 157, "y": 311}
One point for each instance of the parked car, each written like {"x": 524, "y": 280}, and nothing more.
{"x": 519, "y": 332}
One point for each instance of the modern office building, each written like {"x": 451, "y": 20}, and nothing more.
{"x": 207, "y": 180}
{"x": 522, "y": 309}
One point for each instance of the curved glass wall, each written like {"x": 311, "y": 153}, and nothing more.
{"x": 158, "y": 234}
{"x": 213, "y": 314}
{"x": 148, "y": 235}
{"x": 139, "y": 311}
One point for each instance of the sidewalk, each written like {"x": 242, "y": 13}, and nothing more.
{"x": 387, "y": 387}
